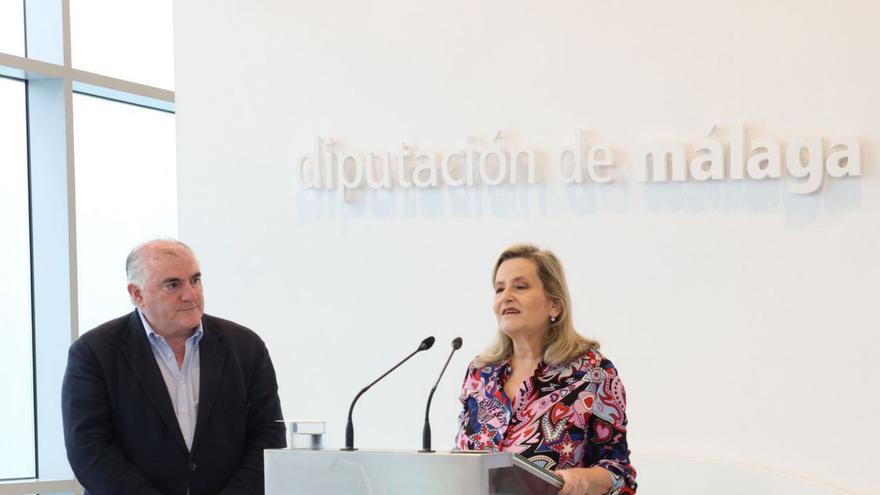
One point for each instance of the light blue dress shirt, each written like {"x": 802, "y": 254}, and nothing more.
{"x": 182, "y": 382}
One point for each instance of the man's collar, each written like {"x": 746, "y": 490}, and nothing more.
{"x": 149, "y": 329}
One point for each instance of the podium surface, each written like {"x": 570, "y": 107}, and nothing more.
{"x": 332, "y": 472}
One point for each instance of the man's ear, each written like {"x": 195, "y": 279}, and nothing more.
{"x": 135, "y": 293}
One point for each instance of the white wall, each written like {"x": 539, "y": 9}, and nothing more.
{"x": 742, "y": 317}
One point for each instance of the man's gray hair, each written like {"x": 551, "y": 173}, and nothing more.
{"x": 135, "y": 263}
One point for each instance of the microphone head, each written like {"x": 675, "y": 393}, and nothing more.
{"x": 456, "y": 343}
{"x": 426, "y": 344}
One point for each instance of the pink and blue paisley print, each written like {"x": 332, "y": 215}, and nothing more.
{"x": 570, "y": 415}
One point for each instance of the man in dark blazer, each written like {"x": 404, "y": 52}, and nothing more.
{"x": 169, "y": 400}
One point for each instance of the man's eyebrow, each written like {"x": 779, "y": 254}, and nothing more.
{"x": 170, "y": 279}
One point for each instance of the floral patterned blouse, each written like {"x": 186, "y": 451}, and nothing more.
{"x": 569, "y": 415}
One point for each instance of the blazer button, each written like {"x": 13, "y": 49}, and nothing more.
{"x": 192, "y": 466}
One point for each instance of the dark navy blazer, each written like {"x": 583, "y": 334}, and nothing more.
{"x": 120, "y": 429}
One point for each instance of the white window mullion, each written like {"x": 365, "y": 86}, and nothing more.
{"x": 53, "y": 226}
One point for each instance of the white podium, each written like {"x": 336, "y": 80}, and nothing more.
{"x": 364, "y": 472}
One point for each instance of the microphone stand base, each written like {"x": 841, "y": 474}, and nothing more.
{"x": 427, "y": 451}
{"x": 348, "y": 449}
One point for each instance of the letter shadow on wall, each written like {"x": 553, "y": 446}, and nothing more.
{"x": 457, "y": 202}
{"x": 754, "y": 196}
{"x": 684, "y": 197}
{"x": 751, "y": 196}
{"x": 518, "y": 199}
{"x": 421, "y": 203}
{"x": 589, "y": 198}
{"x": 713, "y": 196}
{"x": 311, "y": 204}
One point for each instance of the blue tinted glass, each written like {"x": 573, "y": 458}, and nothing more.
{"x": 16, "y": 363}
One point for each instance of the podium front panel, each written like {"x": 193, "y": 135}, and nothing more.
{"x": 363, "y": 472}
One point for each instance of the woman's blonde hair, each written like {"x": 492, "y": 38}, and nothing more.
{"x": 563, "y": 342}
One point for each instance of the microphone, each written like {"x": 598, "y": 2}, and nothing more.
{"x": 349, "y": 427}
{"x": 426, "y": 431}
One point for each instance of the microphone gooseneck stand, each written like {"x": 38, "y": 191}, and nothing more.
{"x": 349, "y": 427}
{"x": 426, "y": 431}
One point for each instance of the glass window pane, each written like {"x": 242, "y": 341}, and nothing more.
{"x": 126, "y": 193}
{"x": 130, "y": 40}
{"x": 12, "y": 27}
{"x": 16, "y": 351}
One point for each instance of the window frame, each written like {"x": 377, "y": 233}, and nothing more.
{"x": 50, "y": 82}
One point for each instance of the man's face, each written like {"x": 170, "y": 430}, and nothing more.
{"x": 171, "y": 296}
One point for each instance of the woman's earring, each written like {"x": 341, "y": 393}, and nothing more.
{"x": 552, "y": 319}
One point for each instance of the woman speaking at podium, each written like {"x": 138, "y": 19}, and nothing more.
{"x": 541, "y": 389}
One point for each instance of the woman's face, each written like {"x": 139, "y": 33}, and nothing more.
{"x": 521, "y": 306}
